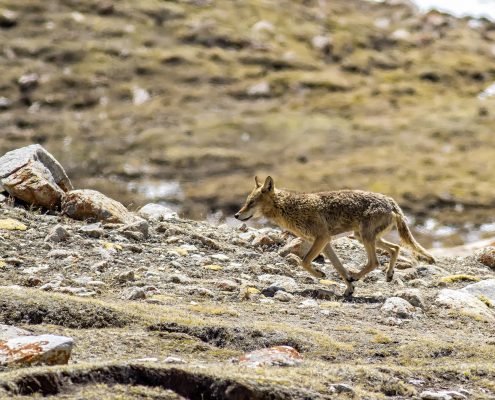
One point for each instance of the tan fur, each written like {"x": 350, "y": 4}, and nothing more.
{"x": 317, "y": 217}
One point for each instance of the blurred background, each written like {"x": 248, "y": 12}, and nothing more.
{"x": 183, "y": 102}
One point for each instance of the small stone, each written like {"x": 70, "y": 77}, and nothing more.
{"x": 282, "y": 356}
{"x": 263, "y": 26}
{"x": 61, "y": 254}
{"x": 283, "y": 296}
{"x": 308, "y": 303}
{"x": 213, "y": 267}
{"x": 10, "y": 224}
{"x": 262, "y": 241}
{"x": 220, "y": 257}
{"x": 322, "y": 43}
{"x": 285, "y": 282}
{"x": 57, "y": 234}
{"x": 486, "y": 256}
{"x": 139, "y": 226}
{"x": 341, "y": 388}
{"x": 8, "y": 19}
{"x": 32, "y": 281}
{"x": 293, "y": 260}
{"x": 227, "y": 285}
{"x": 156, "y": 212}
{"x": 173, "y": 360}
{"x": 28, "y": 82}
{"x": 36, "y": 350}
{"x": 398, "y": 307}
{"x": 5, "y": 103}
{"x": 180, "y": 278}
{"x": 200, "y": 291}
{"x": 134, "y": 294}
{"x": 431, "y": 395}
{"x": 260, "y": 89}
{"x": 92, "y": 230}
{"x": 126, "y": 277}
{"x": 413, "y": 296}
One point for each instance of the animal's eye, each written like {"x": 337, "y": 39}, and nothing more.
{"x": 250, "y": 203}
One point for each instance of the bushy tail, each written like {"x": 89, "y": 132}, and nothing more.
{"x": 407, "y": 238}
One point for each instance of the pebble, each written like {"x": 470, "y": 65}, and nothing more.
{"x": 57, "y": 234}
{"x": 92, "y": 230}
{"x": 134, "y": 294}
{"x": 173, "y": 360}
{"x": 398, "y": 307}
{"x": 341, "y": 388}
{"x": 283, "y": 296}
{"x": 126, "y": 276}
{"x": 308, "y": 303}
{"x": 274, "y": 356}
{"x": 179, "y": 278}
{"x": 220, "y": 257}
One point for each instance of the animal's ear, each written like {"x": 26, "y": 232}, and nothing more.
{"x": 268, "y": 185}
{"x": 257, "y": 182}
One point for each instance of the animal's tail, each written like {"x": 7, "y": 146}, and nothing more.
{"x": 406, "y": 236}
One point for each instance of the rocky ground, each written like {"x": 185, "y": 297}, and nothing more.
{"x": 320, "y": 94}
{"x": 170, "y": 312}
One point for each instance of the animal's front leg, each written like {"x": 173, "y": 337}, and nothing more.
{"x": 313, "y": 252}
{"x": 334, "y": 259}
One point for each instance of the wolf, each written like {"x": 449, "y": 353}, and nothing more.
{"x": 317, "y": 217}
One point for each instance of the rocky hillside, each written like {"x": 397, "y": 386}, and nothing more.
{"x": 182, "y": 309}
{"x": 320, "y": 94}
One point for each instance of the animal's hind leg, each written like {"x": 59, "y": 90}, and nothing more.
{"x": 372, "y": 263}
{"x": 330, "y": 253}
{"x": 393, "y": 249}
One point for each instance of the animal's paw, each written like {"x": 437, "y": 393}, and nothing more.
{"x": 349, "y": 291}
{"x": 389, "y": 276}
{"x": 353, "y": 276}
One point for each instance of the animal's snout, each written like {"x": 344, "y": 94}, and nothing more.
{"x": 236, "y": 216}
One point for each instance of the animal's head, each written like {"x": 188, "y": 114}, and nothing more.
{"x": 259, "y": 199}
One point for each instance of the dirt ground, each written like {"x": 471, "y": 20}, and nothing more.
{"x": 206, "y": 299}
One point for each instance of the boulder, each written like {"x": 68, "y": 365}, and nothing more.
{"x": 33, "y": 175}
{"x": 465, "y": 303}
{"x": 485, "y": 288}
{"x": 10, "y": 332}
{"x": 36, "y": 350}
{"x": 92, "y": 205}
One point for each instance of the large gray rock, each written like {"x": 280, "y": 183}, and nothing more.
{"x": 90, "y": 205}
{"x": 36, "y": 350}
{"x": 9, "y": 332}
{"x": 484, "y": 288}
{"x": 33, "y": 175}
{"x": 465, "y": 303}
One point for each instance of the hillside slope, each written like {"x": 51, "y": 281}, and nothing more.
{"x": 320, "y": 94}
